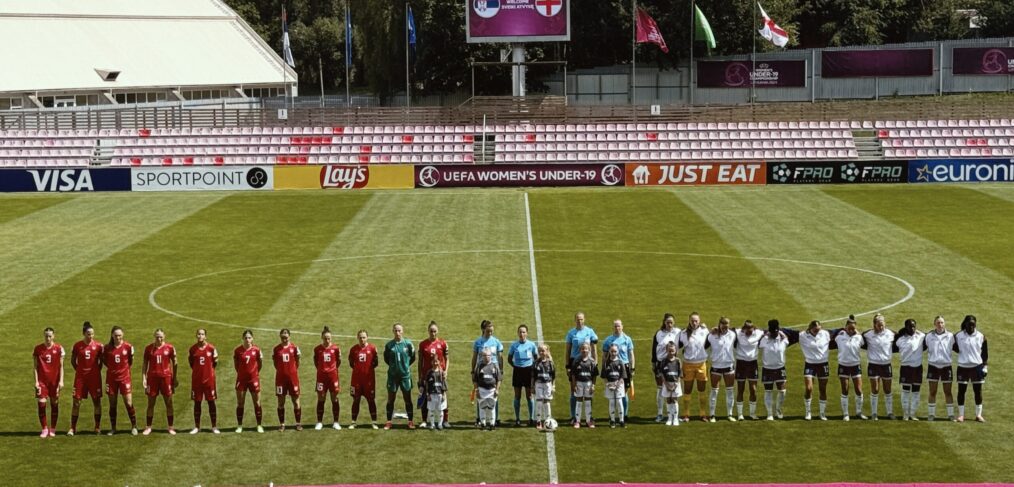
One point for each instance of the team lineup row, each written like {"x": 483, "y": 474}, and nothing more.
{"x": 680, "y": 358}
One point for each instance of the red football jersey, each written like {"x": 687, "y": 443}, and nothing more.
{"x": 50, "y": 361}
{"x": 247, "y": 358}
{"x": 160, "y": 360}
{"x": 202, "y": 361}
{"x": 117, "y": 360}
{"x": 326, "y": 358}
{"x": 362, "y": 360}
{"x": 87, "y": 358}
{"x": 284, "y": 357}
{"x": 428, "y": 346}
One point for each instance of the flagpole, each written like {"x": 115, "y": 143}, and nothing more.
{"x": 693, "y": 35}
{"x": 348, "y": 62}
{"x": 320, "y": 68}
{"x": 408, "y": 82}
{"x": 633, "y": 58}
{"x": 753, "y": 57}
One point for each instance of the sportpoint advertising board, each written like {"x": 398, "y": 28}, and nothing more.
{"x": 64, "y": 180}
{"x": 961, "y": 171}
{"x": 517, "y": 20}
{"x": 518, "y": 175}
{"x": 201, "y": 178}
{"x": 695, "y": 173}
{"x": 336, "y": 176}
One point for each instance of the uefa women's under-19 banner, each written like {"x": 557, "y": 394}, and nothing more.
{"x": 517, "y": 20}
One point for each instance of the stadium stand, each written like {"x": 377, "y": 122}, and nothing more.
{"x": 946, "y": 138}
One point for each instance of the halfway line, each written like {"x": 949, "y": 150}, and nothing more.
{"x": 550, "y": 440}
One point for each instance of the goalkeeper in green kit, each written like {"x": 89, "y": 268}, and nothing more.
{"x": 399, "y": 355}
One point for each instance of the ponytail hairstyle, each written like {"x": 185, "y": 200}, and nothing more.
{"x": 968, "y": 323}
{"x": 483, "y": 324}
{"x": 909, "y": 328}
{"x": 86, "y": 326}
{"x": 49, "y": 329}
{"x": 325, "y": 331}
{"x": 112, "y": 332}
{"x": 247, "y": 332}
{"x": 666, "y": 317}
{"x": 813, "y": 324}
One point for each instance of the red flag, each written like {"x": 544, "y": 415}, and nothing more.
{"x": 647, "y": 30}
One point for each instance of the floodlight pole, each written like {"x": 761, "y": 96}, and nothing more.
{"x": 408, "y": 83}
{"x": 753, "y": 57}
{"x": 633, "y": 58}
{"x": 348, "y": 62}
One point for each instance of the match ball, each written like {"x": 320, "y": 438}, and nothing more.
{"x": 551, "y": 424}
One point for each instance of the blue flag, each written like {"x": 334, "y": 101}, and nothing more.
{"x": 286, "y": 48}
{"x": 348, "y": 38}
{"x": 411, "y": 28}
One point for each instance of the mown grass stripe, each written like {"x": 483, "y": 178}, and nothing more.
{"x": 12, "y": 207}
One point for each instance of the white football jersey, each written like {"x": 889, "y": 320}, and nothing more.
{"x": 939, "y": 347}
{"x": 722, "y": 354}
{"x": 910, "y": 348}
{"x": 878, "y": 346}
{"x": 969, "y": 348}
{"x": 774, "y": 351}
{"x": 693, "y": 345}
{"x": 746, "y": 345}
{"x": 815, "y": 348}
{"x": 662, "y": 339}
{"x": 848, "y": 348}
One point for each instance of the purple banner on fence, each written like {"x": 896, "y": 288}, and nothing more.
{"x": 514, "y": 175}
{"x": 881, "y": 63}
{"x": 983, "y": 60}
{"x": 517, "y": 20}
{"x": 736, "y": 74}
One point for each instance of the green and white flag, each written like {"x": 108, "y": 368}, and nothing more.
{"x": 703, "y": 28}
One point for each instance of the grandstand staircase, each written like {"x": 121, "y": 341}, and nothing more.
{"x": 488, "y": 155}
{"x": 868, "y": 145}
{"x": 103, "y": 154}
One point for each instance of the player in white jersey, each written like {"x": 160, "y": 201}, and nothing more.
{"x": 663, "y": 337}
{"x": 879, "y": 345}
{"x": 849, "y": 341}
{"x": 972, "y": 358}
{"x": 694, "y": 341}
{"x": 816, "y": 344}
{"x": 747, "y": 339}
{"x": 910, "y": 342}
{"x": 939, "y": 344}
{"x": 773, "y": 376}
{"x": 722, "y": 341}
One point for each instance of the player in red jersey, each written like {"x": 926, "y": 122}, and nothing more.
{"x": 327, "y": 357}
{"x": 86, "y": 359}
{"x": 428, "y": 347}
{"x": 363, "y": 360}
{"x": 118, "y": 356}
{"x": 159, "y": 369}
{"x": 48, "y": 357}
{"x": 248, "y": 360}
{"x": 203, "y": 358}
{"x": 286, "y": 359}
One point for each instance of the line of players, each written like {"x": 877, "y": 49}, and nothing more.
{"x": 733, "y": 357}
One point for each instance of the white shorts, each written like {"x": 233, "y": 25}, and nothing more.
{"x": 543, "y": 391}
{"x": 672, "y": 390}
{"x": 486, "y": 398}
{"x": 614, "y": 390}
{"x": 583, "y": 389}
{"x": 436, "y": 402}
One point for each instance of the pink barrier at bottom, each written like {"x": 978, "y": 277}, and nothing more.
{"x": 840, "y": 484}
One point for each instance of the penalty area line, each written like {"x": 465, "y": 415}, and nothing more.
{"x": 550, "y": 436}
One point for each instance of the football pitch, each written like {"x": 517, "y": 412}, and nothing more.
{"x": 364, "y": 260}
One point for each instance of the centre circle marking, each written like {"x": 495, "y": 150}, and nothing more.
{"x": 154, "y": 292}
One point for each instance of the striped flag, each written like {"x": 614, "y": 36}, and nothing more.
{"x": 771, "y": 31}
{"x": 286, "y": 47}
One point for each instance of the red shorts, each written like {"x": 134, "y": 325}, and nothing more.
{"x": 328, "y": 382}
{"x": 285, "y": 386}
{"x": 87, "y": 387}
{"x": 249, "y": 385}
{"x": 159, "y": 385}
{"x": 117, "y": 387}
{"x": 363, "y": 388}
{"x": 203, "y": 392}
{"x": 47, "y": 391}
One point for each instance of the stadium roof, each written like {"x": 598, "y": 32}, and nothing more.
{"x": 51, "y": 45}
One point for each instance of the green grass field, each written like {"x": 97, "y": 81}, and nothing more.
{"x": 365, "y": 260}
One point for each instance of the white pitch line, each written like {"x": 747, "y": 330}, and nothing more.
{"x": 530, "y": 250}
{"x": 554, "y": 477}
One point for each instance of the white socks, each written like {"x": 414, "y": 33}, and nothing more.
{"x": 889, "y": 402}
{"x": 859, "y": 404}
{"x": 845, "y": 405}
{"x": 739, "y": 408}
{"x": 823, "y": 407}
{"x": 729, "y": 398}
{"x": 874, "y": 402}
{"x": 978, "y": 410}
{"x": 806, "y": 403}
{"x": 753, "y": 408}
{"x": 712, "y": 401}
{"x": 905, "y": 404}
{"x": 768, "y": 403}
{"x": 659, "y": 401}
{"x": 587, "y": 410}
{"x": 780, "y": 401}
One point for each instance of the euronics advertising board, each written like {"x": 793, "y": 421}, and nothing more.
{"x": 194, "y": 178}
{"x": 518, "y": 175}
{"x": 517, "y": 20}
{"x": 842, "y": 172}
{"x": 961, "y": 171}
{"x": 695, "y": 173}
{"x": 346, "y": 177}
{"x": 64, "y": 180}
